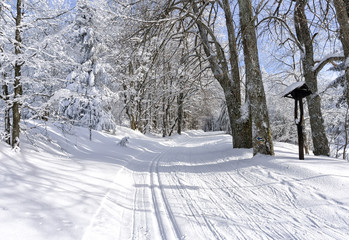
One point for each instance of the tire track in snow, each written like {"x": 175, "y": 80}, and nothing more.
{"x": 155, "y": 180}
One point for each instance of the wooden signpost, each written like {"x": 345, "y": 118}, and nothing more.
{"x": 298, "y": 91}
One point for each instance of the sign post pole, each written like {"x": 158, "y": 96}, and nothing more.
{"x": 298, "y": 91}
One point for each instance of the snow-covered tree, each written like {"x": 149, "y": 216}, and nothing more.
{"x": 5, "y": 69}
{"x": 87, "y": 99}
{"x": 27, "y": 59}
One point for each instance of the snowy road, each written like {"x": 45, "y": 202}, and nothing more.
{"x": 194, "y": 186}
{"x": 197, "y": 187}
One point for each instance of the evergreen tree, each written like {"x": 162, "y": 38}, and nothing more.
{"x": 89, "y": 97}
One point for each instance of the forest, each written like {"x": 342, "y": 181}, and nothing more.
{"x": 166, "y": 66}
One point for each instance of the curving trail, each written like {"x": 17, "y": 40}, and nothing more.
{"x": 195, "y": 186}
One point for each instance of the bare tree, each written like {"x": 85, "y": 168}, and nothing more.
{"x": 241, "y": 127}
{"x": 175, "y": 20}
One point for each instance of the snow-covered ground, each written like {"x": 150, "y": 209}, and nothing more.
{"x": 193, "y": 186}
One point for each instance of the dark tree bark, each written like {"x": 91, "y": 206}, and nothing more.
{"x": 342, "y": 11}
{"x": 180, "y": 112}
{"x": 17, "y": 83}
{"x": 164, "y": 117}
{"x": 304, "y": 37}
{"x": 261, "y": 133}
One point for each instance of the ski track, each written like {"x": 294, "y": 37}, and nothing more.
{"x": 176, "y": 195}
{"x": 160, "y": 196}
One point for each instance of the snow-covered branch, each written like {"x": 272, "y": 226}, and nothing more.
{"x": 327, "y": 59}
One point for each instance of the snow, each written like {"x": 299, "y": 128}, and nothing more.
{"x": 193, "y": 186}
{"x": 292, "y": 87}
{"x": 320, "y": 62}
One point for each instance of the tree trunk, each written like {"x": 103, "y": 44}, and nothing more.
{"x": 164, "y": 118}
{"x": 319, "y": 137}
{"x": 5, "y": 97}
{"x": 133, "y": 122}
{"x": 7, "y": 115}
{"x": 180, "y": 112}
{"x": 220, "y": 70}
{"x": 343, "y": 21}
{"x": 148, "y": 115}
{"x": 241, "y": 128}
{"x": 345, "y": 134}
{"x": 139, "y": 115}
{"x": 17, "y": 83}
{"x": 261, "y": 134}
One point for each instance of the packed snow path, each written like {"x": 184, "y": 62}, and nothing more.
{"x": 198, "y": 187}
{"x": 193, "y": 186}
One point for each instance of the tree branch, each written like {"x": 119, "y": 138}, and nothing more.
{"x": 319, "y": 66}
